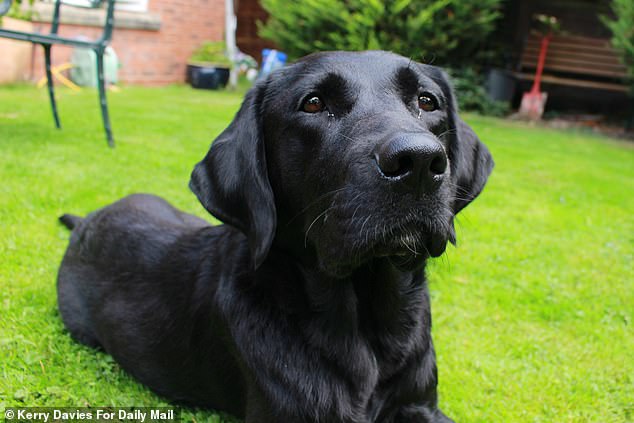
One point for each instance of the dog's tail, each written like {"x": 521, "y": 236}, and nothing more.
{"x": 70, "y": 220}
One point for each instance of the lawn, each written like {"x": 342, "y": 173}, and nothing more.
{"x": 532, "y": 312}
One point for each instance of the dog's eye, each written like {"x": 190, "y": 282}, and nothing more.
{"x": 313, "y": 104}
{"x": 427, "y": 102}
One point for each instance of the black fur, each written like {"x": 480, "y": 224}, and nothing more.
{"x": 70, "y": 220}
{"x": 310, "y": 304}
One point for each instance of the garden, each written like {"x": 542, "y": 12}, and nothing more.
{"x": 532, "y": 311}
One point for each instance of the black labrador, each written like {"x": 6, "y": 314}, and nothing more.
{"x": 338, "y": 177}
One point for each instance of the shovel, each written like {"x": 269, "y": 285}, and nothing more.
{"x": 533, "y": 102}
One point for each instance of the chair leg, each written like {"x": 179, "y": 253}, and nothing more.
{"x": 101, "y": 83}
{"x": 49, "y": 82}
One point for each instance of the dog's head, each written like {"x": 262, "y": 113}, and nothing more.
{"x": 346, "y": 157}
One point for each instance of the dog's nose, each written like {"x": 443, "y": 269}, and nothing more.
{"x": 417, "y": 161}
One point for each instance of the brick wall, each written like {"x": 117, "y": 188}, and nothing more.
{"x": 150, "y": 57}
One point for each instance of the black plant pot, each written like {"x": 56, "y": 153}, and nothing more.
{"x": 207, "y": 77}
{"x": 500, "y": 85}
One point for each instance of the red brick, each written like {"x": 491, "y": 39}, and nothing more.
{"x": 151, "y": 57}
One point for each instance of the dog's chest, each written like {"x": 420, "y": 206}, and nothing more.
{"x": 347, "y": 349}
{"x": 375, "y": 352}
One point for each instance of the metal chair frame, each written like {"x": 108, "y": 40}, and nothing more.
{"x": 48, "y": 40}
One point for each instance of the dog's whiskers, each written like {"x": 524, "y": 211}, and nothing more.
{"x": 312, "y": 203}
{"x": 412, "y": 249}
{"x": 312, "y": 223}
{"x": 448, "y": 132}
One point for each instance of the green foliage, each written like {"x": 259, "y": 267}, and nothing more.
{"x": 471, "y": 95}
{"x": 547, "y": 24}
{"x": 21, "y": 9}
{"x": 622, "y": 28}
{"x": 213, "y": 52}
{"x": 446, "y": 32}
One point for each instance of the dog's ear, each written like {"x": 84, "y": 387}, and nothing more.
{"x": 471, "y": 161}
{"x": 232, "y": 182}
{"x": 472, "y": 164}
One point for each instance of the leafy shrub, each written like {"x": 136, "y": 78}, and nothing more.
{"x": 446, "y": 32}
{"x": 211, "y": 52}
{"x": 471, "y": 95}
{"x": 20, "y": 9}
{"x": 622, "y": 28}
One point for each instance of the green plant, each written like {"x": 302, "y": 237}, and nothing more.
{"x": 471, "y": 95}
{"x": 622, "y": 27}
{"x": 547, "y": 24}
{"x": 21, "y": 9}
{"x": 213, "y": 52}
{"x": 447, "y": 32}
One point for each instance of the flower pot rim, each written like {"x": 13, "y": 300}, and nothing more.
{"x": 209, "y": 65}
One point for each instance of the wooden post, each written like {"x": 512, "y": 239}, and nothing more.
{"x": 230, "y": 39}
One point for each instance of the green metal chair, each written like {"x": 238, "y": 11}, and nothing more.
{"x": 48, "y": 40}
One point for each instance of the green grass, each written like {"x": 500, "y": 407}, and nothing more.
{"x": 532, "y": 313}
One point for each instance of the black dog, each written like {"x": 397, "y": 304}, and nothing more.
{"x": 339, "y": 176}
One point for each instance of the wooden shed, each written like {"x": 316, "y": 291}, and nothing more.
{"x": 248, "y": 13}
{"x": 582, "y": 70}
